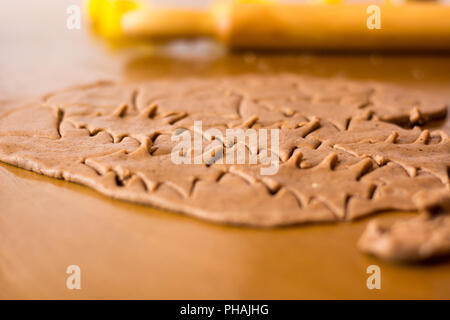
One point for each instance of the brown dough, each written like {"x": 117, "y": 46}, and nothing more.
{"x": 416, "y": 239}
{"x": 411, "y": 240}
{"x": 342, "y": 154}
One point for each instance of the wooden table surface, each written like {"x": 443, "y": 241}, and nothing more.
{"x": 131, "y": 251}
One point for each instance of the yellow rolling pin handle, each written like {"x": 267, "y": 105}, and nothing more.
{"x": 106, "y": 15}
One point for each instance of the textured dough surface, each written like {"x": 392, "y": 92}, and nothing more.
{"x": 347, "y": 149}
{"x": 421, "y": 238}
{"x": 415, "y": 239}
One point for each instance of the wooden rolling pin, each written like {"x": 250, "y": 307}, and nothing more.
{"x": 271, "y": 25}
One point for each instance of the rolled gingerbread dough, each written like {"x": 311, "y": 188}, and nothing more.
{"x": 347, "y": 149}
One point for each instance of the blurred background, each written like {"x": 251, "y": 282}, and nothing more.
{"x": 39, "y": 53}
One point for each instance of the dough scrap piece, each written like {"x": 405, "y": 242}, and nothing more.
{"x": 411, "y": 240}
{"x": 421, "y": 238}
{"x": 335, "y": 140}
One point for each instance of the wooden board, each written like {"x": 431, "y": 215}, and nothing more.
{"x": 130, "y": 251}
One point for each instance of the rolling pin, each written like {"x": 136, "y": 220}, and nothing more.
{"x": 263, "y": 24}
